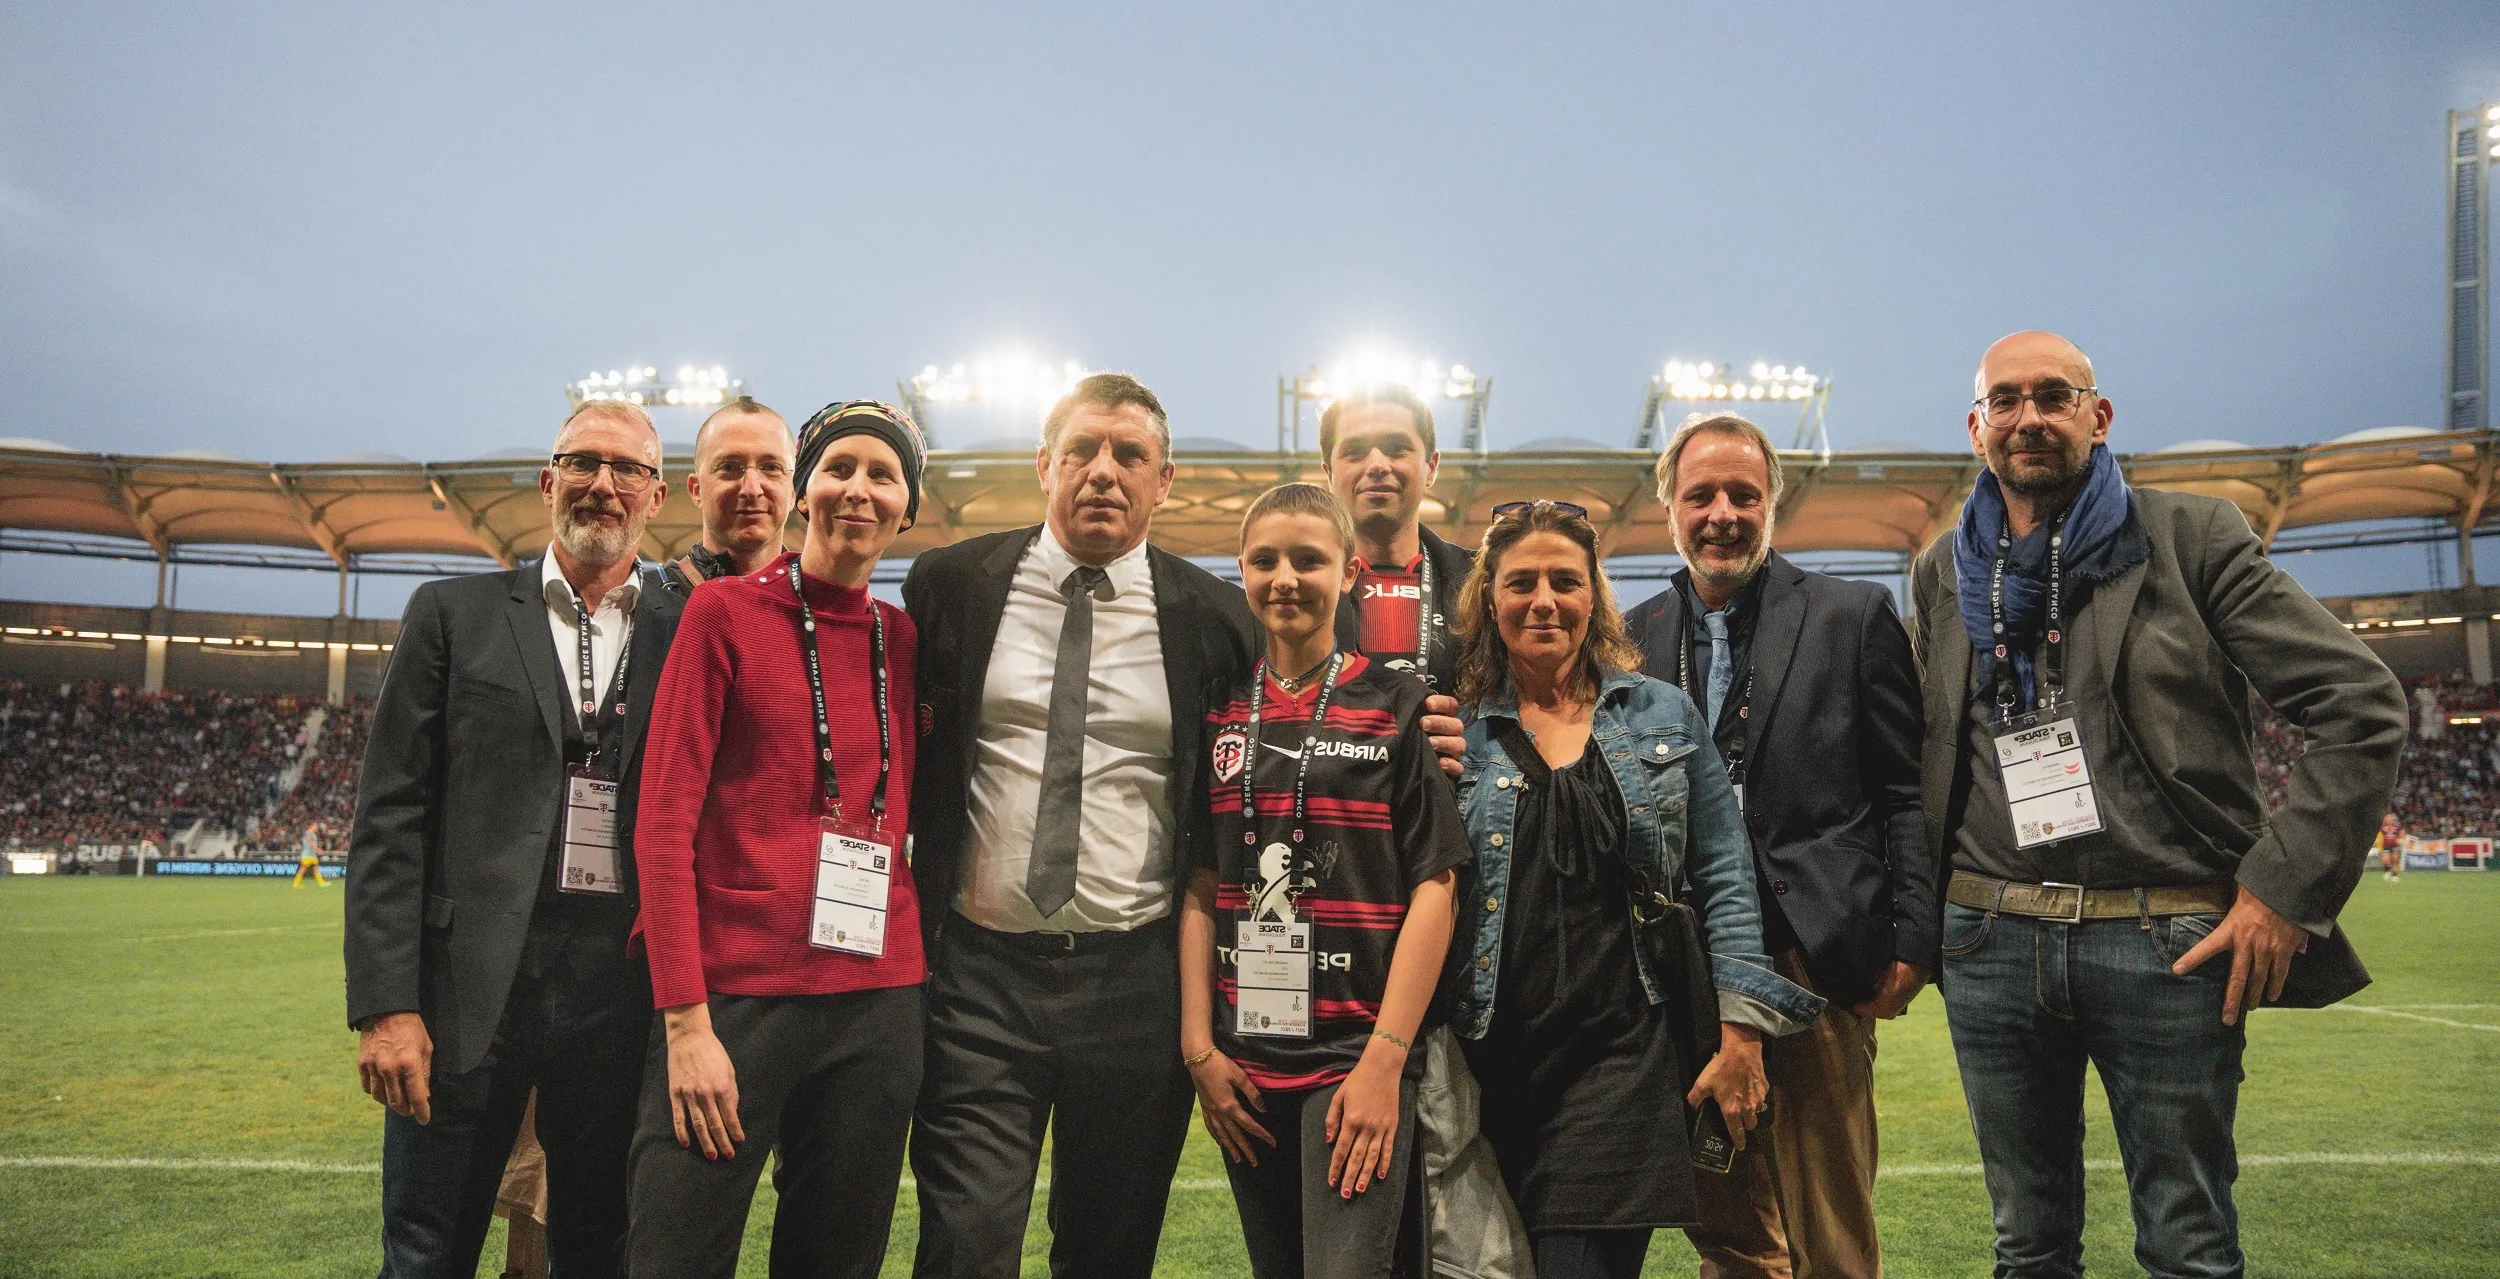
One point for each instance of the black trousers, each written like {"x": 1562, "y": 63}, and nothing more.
{"x": 573, "y": 1028}
{"x": 830, "y": 1080}
{"x": 1292, "y": 1223}
{"x": 1083, "y": 1042}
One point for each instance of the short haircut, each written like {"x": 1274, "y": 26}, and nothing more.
{"x": 743, "y": 406}
{"x": 1386, "y": 393}
{"x": 1301, "y": 499}
{"x": 625, "y": 410}
{"x": 1107, "y": 391}
{"x": 1717, "y": 424}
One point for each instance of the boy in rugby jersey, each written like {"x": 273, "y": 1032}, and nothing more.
{"x": 1318, "y": 912}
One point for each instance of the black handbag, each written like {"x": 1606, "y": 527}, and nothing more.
{"x": 1668, "y": 930}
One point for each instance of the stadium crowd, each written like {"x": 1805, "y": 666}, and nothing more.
{"x": 103, "y": 763}
{"x": 2449, "y": 783}
{"x": 324, "y": 798}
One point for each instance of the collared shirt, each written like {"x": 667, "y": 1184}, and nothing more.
{"x": 1741, "y": 612}
{"x": 610, "y": 619}
{"x": 1124, "y": 865}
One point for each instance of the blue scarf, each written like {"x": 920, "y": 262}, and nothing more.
{"x": 2103, "y": 539}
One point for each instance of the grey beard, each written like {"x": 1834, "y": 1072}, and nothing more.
{"x": 592, "y": 544}
{"x": 1733, "y": 581}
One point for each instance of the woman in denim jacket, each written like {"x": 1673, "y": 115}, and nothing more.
{"x": 1581, "y": 776}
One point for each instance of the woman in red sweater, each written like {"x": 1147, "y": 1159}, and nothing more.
{"x": 777, "y": 908}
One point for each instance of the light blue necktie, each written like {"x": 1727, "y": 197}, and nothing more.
{"x": 1722, "y": 667}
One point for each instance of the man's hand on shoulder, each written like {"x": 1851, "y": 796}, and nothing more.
{"x": 1449, "y": 737}
{"x": 395, "y": 1061}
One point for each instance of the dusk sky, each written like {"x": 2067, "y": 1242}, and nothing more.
{"x": 294, "y": 233}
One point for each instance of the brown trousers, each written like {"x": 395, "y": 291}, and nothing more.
{"x": 1800, "y": 1202}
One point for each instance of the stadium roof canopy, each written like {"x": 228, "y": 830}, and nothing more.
{"x": 1886, "y": 500}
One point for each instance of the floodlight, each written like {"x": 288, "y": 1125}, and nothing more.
{"x": 1013, "y": 378}
{"x": 640, "y": 384}
{"x": 1373, "y": 367}
{"x": 1707, "y": 381}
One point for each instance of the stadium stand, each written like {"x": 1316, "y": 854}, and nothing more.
{"x": 325, "y": 795}
{"x": 2449, "y": 782}
{"x": 101, "y": 763}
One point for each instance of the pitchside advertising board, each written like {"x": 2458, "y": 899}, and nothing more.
{"x": 2465, "y": 852}
{"x": 280, "y": 866}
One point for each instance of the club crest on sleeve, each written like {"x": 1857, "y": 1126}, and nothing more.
{"x": 1231, "y": 748}
{"x": 928, "y": 719}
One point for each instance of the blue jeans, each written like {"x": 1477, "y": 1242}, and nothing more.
{"x": 2031, "y": 1000}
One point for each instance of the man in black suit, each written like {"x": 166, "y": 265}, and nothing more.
{"x": 1063, "y": 677}
{"x": 490, "y": 887}
{"x": 1809, "y": 683}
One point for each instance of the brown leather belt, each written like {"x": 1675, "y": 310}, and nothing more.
{"x": 2077, "y": 903}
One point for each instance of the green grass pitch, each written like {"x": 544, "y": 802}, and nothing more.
{"x": 158, "y": 1038}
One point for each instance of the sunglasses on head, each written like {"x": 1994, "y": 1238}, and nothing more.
{"x": 1520, "y": 510}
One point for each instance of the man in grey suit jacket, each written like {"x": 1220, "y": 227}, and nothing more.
{"x": 489, "y": 903}
{"x": 2118, "y": 893}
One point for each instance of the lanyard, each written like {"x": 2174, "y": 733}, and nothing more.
{"x": 1424, "y": 622}
{"x": 2051, "y": 682}
{"x": 593, "y": 722}
{"x": 1302, "y": 771}
{"x": 1732, "y": 751}
{"x": 816, "y": 694}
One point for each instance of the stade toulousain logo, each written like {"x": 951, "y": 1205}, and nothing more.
{"x": 1231, "y": 748}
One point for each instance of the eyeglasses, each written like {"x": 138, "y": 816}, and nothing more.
{"x": 631, "y": 477}
{"x": 730, "y": 470}
{"x": 2056, "y": 404}
{"x": 1521, "y": 510}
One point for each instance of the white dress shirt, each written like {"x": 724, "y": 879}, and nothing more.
{"x": 1124, "y": 871}
{"x": 609, "y": 621}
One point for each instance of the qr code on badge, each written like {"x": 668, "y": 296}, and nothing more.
{"x": 2033, "y": 830}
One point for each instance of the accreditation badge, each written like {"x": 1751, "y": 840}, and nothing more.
{"x": 589, "y": 834}
{"x": 1272, "y": 979}
{"x": 854, "y": 885}
{"x": 2048, "y": 785}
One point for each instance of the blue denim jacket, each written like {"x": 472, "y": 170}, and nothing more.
{"x": 1679, "y": 799}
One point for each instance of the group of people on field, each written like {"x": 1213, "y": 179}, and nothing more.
{"x": 1488, "y": 928}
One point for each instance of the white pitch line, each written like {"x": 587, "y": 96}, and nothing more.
{"x": 2390, "y": 1012}
{"x": 2299, "y": 1159}
{"x": 367, "y": 1170}
{"x": 230, "y": 932}
{"x": 185, "y": 1165}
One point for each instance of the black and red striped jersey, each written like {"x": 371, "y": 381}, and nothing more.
{"x": 1380, "y": 818}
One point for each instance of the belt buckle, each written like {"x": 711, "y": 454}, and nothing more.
{"x": 2075, "y": 918}
{"x": 1067, "y": 941}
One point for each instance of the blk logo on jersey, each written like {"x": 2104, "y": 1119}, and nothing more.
{"x": 1390, "y": 591}
{"x": 1231, "y": 749}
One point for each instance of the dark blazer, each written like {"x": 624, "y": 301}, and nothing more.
{"x": 1449, "y": 569}
{"x": 462, "y": 788}
{"x": 1832, "y": 785}
{"x": 2182, "y": 638}
{"x": 956, "y": 595}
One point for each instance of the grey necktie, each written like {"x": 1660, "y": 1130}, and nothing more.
{"x": 1050, "y": 878}
{"x": 1722, "y": 667}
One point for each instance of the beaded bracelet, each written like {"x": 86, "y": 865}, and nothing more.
{"x": 1382, "y": 1034}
